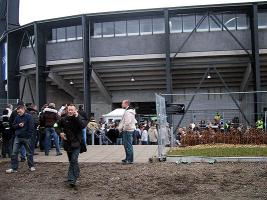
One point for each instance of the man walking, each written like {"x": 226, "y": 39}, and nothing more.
{"x": 70, "y": 128}
{"x": 127, "y": 127}
{"x": 23, "y": 126}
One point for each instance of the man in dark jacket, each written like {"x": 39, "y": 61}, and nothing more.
{"x": 84, "y": 118}
{"x": 23, "y": 126}
{"x": 71, "y": 133}
{"x": 6, "y": 135}
{"x": 49, "y": 119}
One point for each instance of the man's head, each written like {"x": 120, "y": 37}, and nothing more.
{"x": 71, "y": 110}
{"x": 125, "y": 104}
{"x": 20, "y": 110}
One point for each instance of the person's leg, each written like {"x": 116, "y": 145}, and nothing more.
{"x": 129, "y": 146}
{"x": 33, "y": 140}
{"x": 124, "y": 141}
{"x": 47, "y": 141}
{"x": 56, "y": 138}
{"x": 74, "y": 170}
{"x": 4, "y": 147}
{"x": 28, "y": 147}
{"x": 15, "y": 152}
{"x": 22, "y": 153}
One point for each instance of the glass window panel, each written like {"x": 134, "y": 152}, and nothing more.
{"x": 97, "y": 30}
{"x": 188, "y": 23}
{"x": 204, "y": 26}
{"x": 176, "y": 24}
{"x": 214, "y": 26}
{"x": 61, "y": 34}
{"x": 262, "y": 19}
{"x": 242, "y": 21}
{"x": 54, "y": 35}
{"x": 158, "y": 25}
{"x": 145, "y": 26}
{"x": 108, "y": 29}
{"x": 133, "y": 27}
{"x": 79, "y": 32}
{"x": 229, "y": 20}
{"x": 71, "y": 33}
{"x": 120, "y": 28}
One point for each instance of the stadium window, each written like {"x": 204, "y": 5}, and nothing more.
{"x": 158, "y": 25}
{"x": 262, "y": 20}
{"x": 145, "y": 26}
{"x": 108, "y": 29}
{"x": 97, "y": 30}
{"x": 79, "y": 32}
{"x": 132, "y": 27}
{"x": 54, "y": 35}
{"x": 242, "y": 21}
{"x": 229, "y": 20}
{"x": 120, "y": 28}
{"x": 214, "y": 26}
{"x": 71, "y": 33}
{"x": 61, "y": 34}
{"x": 188, "y": 23}
{"x": 204, "y": 26}
{"x": 176, "y": 24}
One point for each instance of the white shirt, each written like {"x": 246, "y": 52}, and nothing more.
{"x": 144, "y": 136}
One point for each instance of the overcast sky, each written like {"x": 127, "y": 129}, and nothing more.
{"x": 34, "y": 10}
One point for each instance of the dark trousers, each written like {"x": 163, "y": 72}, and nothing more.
{"x": 74, "y": 170}
{"x": 7, "y": 147}
{"x": 128, "y": 145}
{"x": 18, "y": 142}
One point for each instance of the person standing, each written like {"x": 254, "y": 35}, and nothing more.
{"x": 127, "y": 127}
{"x": 144, "y": 135}
{"x": 153, "y": 134}
{"x": 49, "y": 118}
{"x": 70, "y": 128}
{"x": 23, "y": 126}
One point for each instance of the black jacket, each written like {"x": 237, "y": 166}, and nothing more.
{"x": 72, "y": 127}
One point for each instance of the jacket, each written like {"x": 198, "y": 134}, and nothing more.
{"x": 72, "y": 127}
{"x": 153, "y": 134}
{"x": 49, "y": 117}
{"x": 35, "y": 116}
{"x": 26, "y": 131}
{"x": 128, "y": 121}
{"x": 92, "y": 125}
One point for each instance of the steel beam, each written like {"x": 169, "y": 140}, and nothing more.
{"x": 245, "y": 81}
{"x": 40, "y": 60}
{"x": 255, "y": 60}
{"x": 61, "y": 83}
{"x": 101, "y": 87}
{"x": 87, "y": 68}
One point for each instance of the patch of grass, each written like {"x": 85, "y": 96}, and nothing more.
{"x": 220, "y": 151}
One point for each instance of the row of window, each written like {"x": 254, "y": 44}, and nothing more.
{"x": 156, "y": 25}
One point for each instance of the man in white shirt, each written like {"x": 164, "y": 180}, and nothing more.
{"x": 127, "y": 127}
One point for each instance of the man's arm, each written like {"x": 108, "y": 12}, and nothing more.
{"x": 15, "y": 124}
{"x": 30, "y": 124}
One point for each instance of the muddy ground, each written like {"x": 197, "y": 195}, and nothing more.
{"x": 138, "y": 181}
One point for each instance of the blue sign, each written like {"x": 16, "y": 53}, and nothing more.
{"x": 4, "y": 61}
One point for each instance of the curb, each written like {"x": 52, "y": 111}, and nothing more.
{"x": 212, "y": 160}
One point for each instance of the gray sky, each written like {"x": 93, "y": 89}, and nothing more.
{"x": 34, "y": 10}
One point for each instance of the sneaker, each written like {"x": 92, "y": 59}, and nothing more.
{"x": 124, "y": 161}
{"x": 9, "y": 171}
{"x": 32, "y": 169}
{"x": 59, "y": 154}
{"x": 22, "y": 159}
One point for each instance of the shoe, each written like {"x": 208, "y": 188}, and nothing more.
{"x": 59, "y": 154}
{"x": 46, "y": 154}
{"x": 35, "y": 154}
{"x": 9, "y": 171}
{"x": 32, "y": 169}
{"x": 73, "y": 186}
{"x": 127, "y": 163}
{"x": 22, "y": 159}
{"x": 124, "y": 161}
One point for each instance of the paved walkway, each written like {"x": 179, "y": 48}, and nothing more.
{"x": 105, "y": 153}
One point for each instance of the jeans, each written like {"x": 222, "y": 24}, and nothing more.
{"x": 128, "y": 145}
{"x": 33, "y": 140}
{"x": 49, "y": 133}
{"x": 74, "y": 170}
{"x": 84, "y": 136}
{"x": 144, "y": 143}
{"x": 119, "y": 141}
{"x": 18, "y": 142}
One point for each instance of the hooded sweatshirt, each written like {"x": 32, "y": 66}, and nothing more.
{"x": 128, "y": 121}
{"x": 153, "y": 134}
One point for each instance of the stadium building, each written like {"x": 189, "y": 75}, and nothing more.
{"x": 99, "y": 59}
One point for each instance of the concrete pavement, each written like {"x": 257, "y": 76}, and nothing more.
{"x": 103, "y": 153}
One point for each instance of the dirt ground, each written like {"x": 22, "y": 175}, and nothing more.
{"x": 138, "y": 181}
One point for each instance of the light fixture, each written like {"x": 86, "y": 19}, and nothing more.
{"x": 71, "y": 82}
{"x": 208, "y": 76}
{"x": 132, "y": 79}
